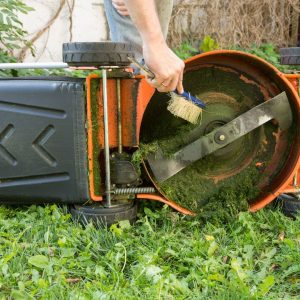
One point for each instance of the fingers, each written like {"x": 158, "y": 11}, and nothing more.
{"x": 168, "y": 84}
{"x": 163, "y": 85}
{"x": 118, "y": 3}
{"x": 165, "y": 65}
{"x": 179, "y": 86}
{"x": 120, "y": 6}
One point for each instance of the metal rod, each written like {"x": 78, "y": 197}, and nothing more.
{"x": 36, "y": 65}
{"x": 106, "y": 140}
{"x": 119, "y": 113}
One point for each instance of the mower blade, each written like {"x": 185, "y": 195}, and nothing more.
{"x": 277, "y": 108}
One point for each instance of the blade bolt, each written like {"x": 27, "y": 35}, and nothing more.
{"x": 220, "y": 137}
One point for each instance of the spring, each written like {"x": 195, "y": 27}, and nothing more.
{"x": 141, "y": 190}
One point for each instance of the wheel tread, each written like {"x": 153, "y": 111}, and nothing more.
{"x": 97, "y": 54}
{"x": 290, "y": 204}
{"x": 97, "y": 214}
{"x": 290, "y": 56}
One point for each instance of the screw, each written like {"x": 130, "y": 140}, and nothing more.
{"x": 222, "y": 137}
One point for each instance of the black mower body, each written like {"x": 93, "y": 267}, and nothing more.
{"x": 43, "y": 151}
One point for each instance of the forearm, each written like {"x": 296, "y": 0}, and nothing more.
{"x": 144, "y": 16}
{"x": 166, "y": 66}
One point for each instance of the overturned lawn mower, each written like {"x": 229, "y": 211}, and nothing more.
{"x": 105, "y": 142}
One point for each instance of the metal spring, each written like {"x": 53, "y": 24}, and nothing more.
{"x": 138, "y": 190}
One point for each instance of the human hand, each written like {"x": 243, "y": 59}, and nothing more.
{"x": 166, "y": 66}
{"x": 120, "y": 6}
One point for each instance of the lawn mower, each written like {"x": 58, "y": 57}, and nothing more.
{"x": 103, "y": 143}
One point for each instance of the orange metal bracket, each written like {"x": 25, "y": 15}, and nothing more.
{"x": 294, "y": 80}
{"x": 94, "y": 197}
{"x": 168, "y": 202}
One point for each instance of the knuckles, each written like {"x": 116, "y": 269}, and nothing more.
{"x": 119, "y": 3}
{"x": 168, "y": 71}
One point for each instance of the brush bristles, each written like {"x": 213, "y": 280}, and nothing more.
{"x": 183, "y": 108}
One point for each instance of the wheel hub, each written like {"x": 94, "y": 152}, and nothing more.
{"x": 234, "y": 157}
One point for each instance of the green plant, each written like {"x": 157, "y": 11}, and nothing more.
{"x": 267, "y": 51}
{"x": 209, "y": 44}
{"x": 185, "y": 50}
{"x": 270, "y": 53}
{"x": 12, "y": 34}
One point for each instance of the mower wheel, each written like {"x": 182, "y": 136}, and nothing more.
{"x": 289, "y": 203}
{"x": 101, "y": 216}
{"x": 97, "y": 54}
{"x": 290, "y": 56}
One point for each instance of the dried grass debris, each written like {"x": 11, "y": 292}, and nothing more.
{"x": 235, "y": 22}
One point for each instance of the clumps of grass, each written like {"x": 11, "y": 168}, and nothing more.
{"x": 231, "y": 199}
{"x": 141, "y": 153}
{"x": 194, "y": 187}
{"x": 95, "y": 132}
{"x": 215, "y": 203}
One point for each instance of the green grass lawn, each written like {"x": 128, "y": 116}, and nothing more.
{"x": 164, "y": 255}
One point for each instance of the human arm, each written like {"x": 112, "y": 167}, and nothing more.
{"x": 160, "y": 59}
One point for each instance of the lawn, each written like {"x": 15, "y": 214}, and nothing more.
{"x": 165, "y": 255}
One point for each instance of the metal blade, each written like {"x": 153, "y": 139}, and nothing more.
{"x": 277, "y": 108}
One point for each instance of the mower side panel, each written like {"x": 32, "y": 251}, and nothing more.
{"x": 42, "y": 141}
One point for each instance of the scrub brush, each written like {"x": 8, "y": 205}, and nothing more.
{"x": 185, "y": 106}
{"x": 182, "y": 105}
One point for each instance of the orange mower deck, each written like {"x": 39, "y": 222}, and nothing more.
{"x": 136, "y": 94}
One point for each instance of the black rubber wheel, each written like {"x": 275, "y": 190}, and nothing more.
{"x": 290, "y": 56}
{"x": 102, "y": 216}
{"x": 97, "y": 54}
{"x": 289, "y": 203}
